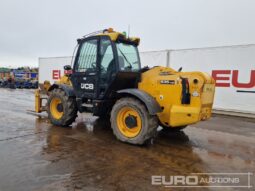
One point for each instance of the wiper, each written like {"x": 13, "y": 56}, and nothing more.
{"x": 130, "y": 65}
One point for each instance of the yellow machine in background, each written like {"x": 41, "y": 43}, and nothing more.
{"x": 108, "y": 81}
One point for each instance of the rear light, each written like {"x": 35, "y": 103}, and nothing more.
{"x": 187, "y": 85}
{"x": 195, "y": 81}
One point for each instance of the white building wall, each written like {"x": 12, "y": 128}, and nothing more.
{"x": 225, "y": 61}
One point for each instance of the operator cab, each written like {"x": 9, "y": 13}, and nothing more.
{"x": 105, "y": 63}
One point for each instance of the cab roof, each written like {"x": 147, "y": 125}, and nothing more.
{"x": 115, "y": 36}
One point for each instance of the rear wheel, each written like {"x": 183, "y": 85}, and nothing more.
{"x": 131, "y": 121}
{"x": 62, "y": 109}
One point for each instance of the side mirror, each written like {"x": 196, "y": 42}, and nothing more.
{"x": 79, "y": 40}
{"x": 67, "y": 67}
{"x": 180, "y": 69}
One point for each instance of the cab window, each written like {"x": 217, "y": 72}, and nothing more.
{"x": 107, "y": 58}
{"x": 107, "y": 65}
{"x": 128, "y": 57}
{"x": 87, "y": 56}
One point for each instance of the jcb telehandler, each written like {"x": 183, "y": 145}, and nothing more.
{"x": 107, "y": 80}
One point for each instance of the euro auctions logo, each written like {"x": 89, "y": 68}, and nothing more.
{"x": 174, "y": 180}
{"x": 232, "y": 78}
{"x": 231, "y": 180}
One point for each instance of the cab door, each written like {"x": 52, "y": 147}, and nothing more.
{"x": 85, "y": 71}
{"x": 108, "y": 66}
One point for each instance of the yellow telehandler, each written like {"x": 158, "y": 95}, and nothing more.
{"x": 107, "y": 80}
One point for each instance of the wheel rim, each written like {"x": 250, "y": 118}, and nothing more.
{"x": 56, "y": 108}
{"x": 126, "y": 124}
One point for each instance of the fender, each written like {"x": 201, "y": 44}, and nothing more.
{"x": 151, "y": 104}
{"x": 67, "y": 89}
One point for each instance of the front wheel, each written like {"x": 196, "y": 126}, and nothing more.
{"x": 61, "y": 109}
{"x": 131, "y": 121}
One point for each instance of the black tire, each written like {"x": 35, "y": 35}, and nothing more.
{"x": 104, "y": 116}
{"x": 69, "y": 108}
{"x": 105, "y": 119}
{"x": 149, "y": 122}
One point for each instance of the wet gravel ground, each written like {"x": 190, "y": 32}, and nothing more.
{"x": 34, "y": 155}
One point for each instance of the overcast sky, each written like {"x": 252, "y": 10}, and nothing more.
{"x": 49, "y": 28}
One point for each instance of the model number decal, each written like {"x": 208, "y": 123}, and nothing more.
{"x": 171, "y": 82}
{"x": 87, "y": 86}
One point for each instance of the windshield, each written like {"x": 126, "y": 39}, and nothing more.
{"x": 128, "y": 57}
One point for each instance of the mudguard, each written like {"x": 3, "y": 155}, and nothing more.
{"x": 151, "y": 104}
{"x": 67, "y": 89}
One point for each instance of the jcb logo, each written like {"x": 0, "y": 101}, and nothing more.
{"x": 87, "y": 86}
